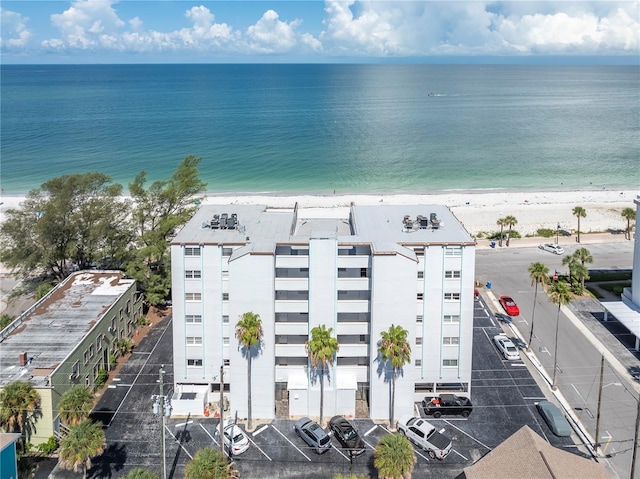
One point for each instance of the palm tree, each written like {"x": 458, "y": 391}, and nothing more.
{"x": 510, "y": 221}
{"x": 539, "y": 274}
{"x": 19, "y": 409}
{"x": 84, "y": 441}
{"x": 629, "y": 214}
{"x": 140, "y": 473}
{"x": 579, "y": 212}
{"x": 394, "y": 348}
{"x": 502, "y": 222}
{"x": 582, "y": 255}
{"x": 560, "y": 294}
{"x": 75, "y": 405}
{"x": 394, "y": 457}
{"x": 209, "y": 463}
{"x": 249, "y": 334}
{"x": 321, "y": 349}
{"x": 571, "y": 262}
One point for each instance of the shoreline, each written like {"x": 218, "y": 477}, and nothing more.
{"x": 477, "y": 210}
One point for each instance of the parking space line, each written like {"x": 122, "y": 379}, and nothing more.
{"x": 287, "y": 439}
{"x": 178, "y": 441}
{"x": 339, "y": 451}
{"x": 209, "y": 434}
{"x": 259, "y": 449}
{"x": 373, "y": 448}
{"x": 468, "y": 435}
{"x": 255, "y": 433}
{"x": 183, "y": 424}
{"x": 371, "y": 430}
{"x": 459, "y": 454}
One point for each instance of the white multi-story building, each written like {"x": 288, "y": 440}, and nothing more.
{"x": 358, "y": 274}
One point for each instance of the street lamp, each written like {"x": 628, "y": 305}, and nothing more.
{"x": 558, "y": 234}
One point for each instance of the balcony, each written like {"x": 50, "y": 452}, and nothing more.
{"x": 290, "y": 350}
{"x": 292, "y": 261}
{"x": 354, "y": 306}
{"x": 292, "y": 328}
{"x": 292, "y": 284}
{"x": 291, "y": 306}
{"x": 352, "y": 328}
{"x": 353, "y": 284}
{"x": 353, "y": 261}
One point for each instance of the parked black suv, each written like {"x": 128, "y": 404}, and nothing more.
{"x": 447, "y": 404}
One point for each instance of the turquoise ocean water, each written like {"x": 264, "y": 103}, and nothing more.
{"x": 320, "y": 128}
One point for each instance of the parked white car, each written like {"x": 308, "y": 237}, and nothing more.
{"x": 235, "y": 438}
{"x": 552, "y": 247}
{"x": 424, "y": 435}
{"x": 506, "y": 347}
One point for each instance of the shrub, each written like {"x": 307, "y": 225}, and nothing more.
{"x": 42, "y": 290}
{"x": 5, "y": 320}
{"x": 113, "y": 361}
{"x": 546, "y": 232}
{"x": 103, "y": 375}
{"x": 48, "y": 447}
{"x": 144, "y": 321}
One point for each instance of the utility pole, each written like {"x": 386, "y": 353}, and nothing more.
{"x": 635, "y": 443}
{"x": 161, "y": 406}
{"x": 597, "y": 441}
{"x": 221, "y": 409}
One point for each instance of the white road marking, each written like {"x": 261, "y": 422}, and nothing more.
{"x": 371, "y": 430}
{"x": 534, "y": 398}
{"x": 513, "y": 365}
{"x": 459, "y": 454}
{"x": 176, "y": 439}
{"x": 258, "y": 447}
{"x": 111, "y": 386}
{"x": 578, "y": 393}
{"x": 287, "y": 439}
{"x": 544, "y": 350}
{"x": 373, "y": 448}
{"x": 258, "y": 431}
{"x": 339, "y": 451}
{"x": 183, "y": 424}
{"x": 209, "y": 434}
{"x": 468, "y": 435}
{"x": 117, "y": 379}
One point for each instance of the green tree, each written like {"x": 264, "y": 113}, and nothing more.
{"x": 394, "y": 351}
{"x": 579, "y": 212}
{"x": 249, "y": 334}
{"x": 64, "y": 224}
{"x": 158, "y": 212}
{"x": 571, "y": 262}
{"x": 20, "y": 409}
{"x": 628, "y": 214}
{"x": 75, "y": 405}
{"x": 539, "y": 274}
{"x": 83, "y": 442}
{"x": 394, "y": 457}
{"x": 209, "y": 463}
{"x": 510, "y": 221}
{"x": 560, "y": 294}
{"x": 580, "y": 271}
{"x": 502, "y": 222}
{"x": 140, "y": 473}
{"x": 5, "y": 320}
{"x": 321, "y": 349}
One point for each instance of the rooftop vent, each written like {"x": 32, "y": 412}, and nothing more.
{"x": 23, "y": 358}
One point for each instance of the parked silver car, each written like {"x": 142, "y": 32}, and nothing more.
{"x": 313, "y": 434}
{"x": 552, "y": 247}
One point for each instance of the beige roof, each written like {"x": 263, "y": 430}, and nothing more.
{"x": 531, "y": 457}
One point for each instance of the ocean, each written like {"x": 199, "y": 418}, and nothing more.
{"x": 320, "y": 129}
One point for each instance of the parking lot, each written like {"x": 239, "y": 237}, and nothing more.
{"x": 503, "y": 393}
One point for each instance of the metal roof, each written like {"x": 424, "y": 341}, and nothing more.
{"x": 58, "y": 323}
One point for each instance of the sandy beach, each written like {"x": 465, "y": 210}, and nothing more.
{"x": 477, "y": 211}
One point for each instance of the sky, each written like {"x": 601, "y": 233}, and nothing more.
{"x": 311, "y": 31}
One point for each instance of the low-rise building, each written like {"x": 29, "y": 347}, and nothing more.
{"x": 357, "y": 272}
{"x": 68, "y": 337}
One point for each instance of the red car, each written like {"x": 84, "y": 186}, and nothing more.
{"x": 509, "y": 306}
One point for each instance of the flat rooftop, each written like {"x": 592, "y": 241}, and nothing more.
{"x": 58, "y": 324}
{"x": 367, "y": 223}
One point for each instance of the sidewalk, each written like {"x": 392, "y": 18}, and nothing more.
{"x": 564, "y": 241}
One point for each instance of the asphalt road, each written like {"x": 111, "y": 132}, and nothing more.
{"x": 578, "y": 359}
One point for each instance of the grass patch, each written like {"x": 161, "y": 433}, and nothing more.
{"x": 609, "y": 276}
{"x": 546, "y": 232}
{"x": 616, "y": 288}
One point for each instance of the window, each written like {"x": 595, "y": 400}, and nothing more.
{"x": 92, "y": 351}
{"x": 418, "y": 341}
{"x": 87, "y": 380}
{"x": 113, "y": 325}
{"x": 420, "y": 296}
{"x": 451, "y": 340}
{"x": 193, "y": 296}
{"x": 452, "y": 274}
{"x": 420, "y": 274}
{"x": 227, "y": 251}
{"x": 453, "y": 251}
{"x": 225, "y": 318}
{"x": 451, "y": 318}
{"x": 194, "y": 363}
{"x": 225, "y": 341}
{"x": 363, "y": 273}
{"x": 225, "y": 296}
{"x": 85, "y": 357}
{"x": 99, "y": 342}
{"x": 418, "y": 362}
{"x": 192, "y": 251}
{"x": 419, "y": 252}
{"x": 193, "y": 318}
{"x": 452, "y": 296}
{"x": 225, "y": 362}
{"x": 75, "y": 369}
{"x": 419, "y": 318}
{"x": 193, "y": 274}
{"x": 128, "y": 307}
{"x": 194, "y": 340}
{"x": 449, "y": 363}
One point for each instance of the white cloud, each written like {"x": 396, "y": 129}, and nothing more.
{"x": 369, "y": 28}
{"x": 14, "y": 32}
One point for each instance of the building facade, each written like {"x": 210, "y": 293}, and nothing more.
{"x": 358, "y": 272}
{"x": 68, "y": 337}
